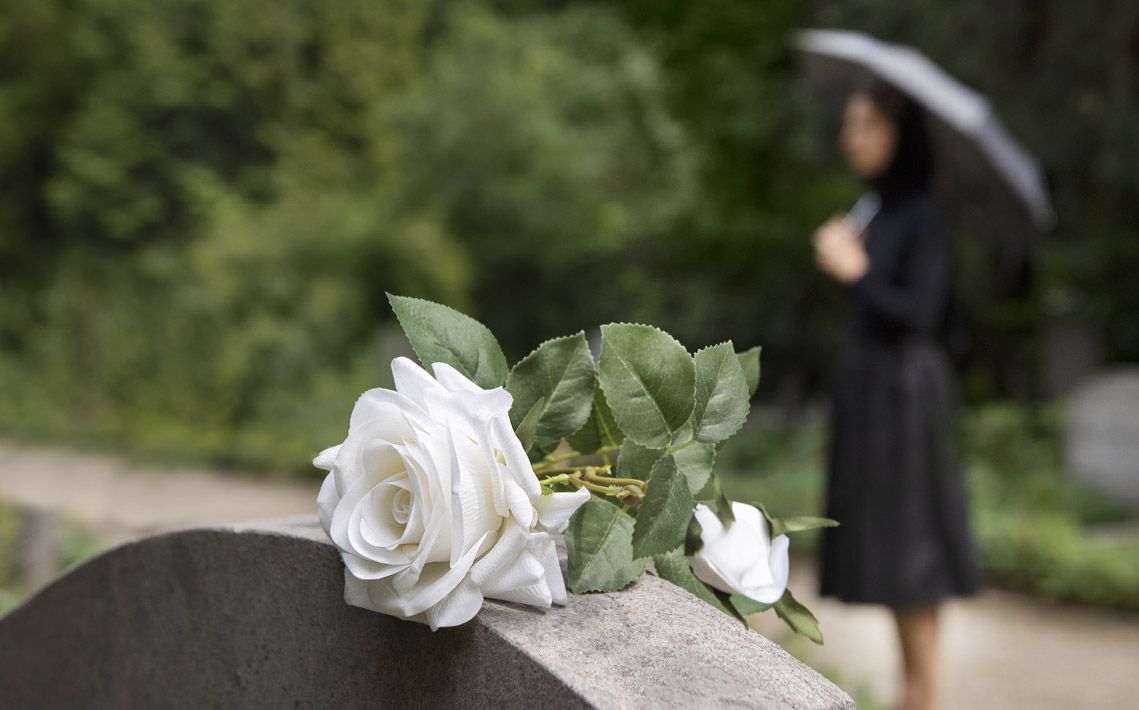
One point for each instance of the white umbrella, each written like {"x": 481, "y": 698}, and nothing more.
{"x": 984, "y": 170}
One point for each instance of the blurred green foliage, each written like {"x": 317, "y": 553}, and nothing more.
{"x": 544, "y": 143}
{"x": 232, "y": 189}
{"x": 221, "y": 238}
{"x": 1036, "y": 529}
{"x": 204, "y": 202}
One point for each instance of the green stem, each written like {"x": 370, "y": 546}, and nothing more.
{"x": 607, "y": 490}
{"x": 553, "y": 480}
{"x": 615, "y": 481}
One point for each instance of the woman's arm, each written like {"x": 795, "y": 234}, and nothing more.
{"x": 918, "y": 305}
{"x": 839, "y": 250}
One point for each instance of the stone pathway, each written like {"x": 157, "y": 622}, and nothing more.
{"x": 1001, "y": 651}
{"x": 121, "y": 501}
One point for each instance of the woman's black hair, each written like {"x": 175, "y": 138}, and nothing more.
{"x": 911, "y": 168}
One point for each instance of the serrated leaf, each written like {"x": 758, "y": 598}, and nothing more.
{"x": 559, "y": 373}
{"x": 649, "y": 382}
{"x": 749, "y": 363}
{"x": 441, "y": 334}
{"x": 782, "y": 526}
{"x": 746, "y": 606}
{"x": 721, "y": 394}
{"x": 529, "y": 424}
{"x": 662, "y": 519}
{"x": 794, "y": 524}
{"x": 684, "y": 434}
{"x": 798, "y": 617}
{"x": 695, "y": 461}
{"x": 600, "y": 430}
{"x": 599, "y": 548}
{"x": 673, "y": 566}
{"x": 636, "y": 461}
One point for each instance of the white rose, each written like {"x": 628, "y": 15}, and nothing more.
{"x": 741, "y": 559}
{"x": 434, "y": 505}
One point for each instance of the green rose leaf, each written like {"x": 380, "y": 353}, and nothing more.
{"x": 746, "y": 606}
{"x": 721, "y": 394}
{"x": 695, "y": 462}
{"x": 560, "y": 374}
{"x": 683, "y": 435}
{"x": 798, "y": 617}
{"x": 441, "y": 334}
{"x": 662, "y": 520}
{"x": 749, "y": 362}
{"x": 529, "y": 424}
{"x": 636, "y": 461}
{"x": 649, "y": 382}
{"x": 599, "y": 547}
{"x": 673, "y": 566}
{"x": 600, "y": 430}
{"x": 782, "y": 526}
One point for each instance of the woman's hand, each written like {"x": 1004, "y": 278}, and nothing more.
{"x": 839, "y": 251}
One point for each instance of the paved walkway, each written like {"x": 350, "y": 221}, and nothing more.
{"x": 1002, "y": 651}
{"x": 122, "y": 501}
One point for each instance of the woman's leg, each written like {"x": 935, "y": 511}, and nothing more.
{"x": 917, "y": 630}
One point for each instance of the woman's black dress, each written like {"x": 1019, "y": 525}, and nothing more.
{"x": 895, "y": 486}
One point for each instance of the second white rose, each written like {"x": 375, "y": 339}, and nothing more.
{"x": 433, "y": 503}
{"x": 741, "y": 558}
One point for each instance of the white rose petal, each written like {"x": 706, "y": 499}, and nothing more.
{"x": 433, "y": 503}
{"x": 741, "y": 559}
{"x": 554, "y": 511}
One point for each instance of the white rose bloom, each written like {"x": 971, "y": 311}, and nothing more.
{"x": 741, "y": 559}
{"x": 434, "y": 505}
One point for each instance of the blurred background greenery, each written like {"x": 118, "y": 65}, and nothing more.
{"x": 203, "y": 203}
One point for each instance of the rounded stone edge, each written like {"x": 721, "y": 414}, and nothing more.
{"x": 536, "y": 636}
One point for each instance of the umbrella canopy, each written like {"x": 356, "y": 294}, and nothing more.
{"x": 996, "y": 187}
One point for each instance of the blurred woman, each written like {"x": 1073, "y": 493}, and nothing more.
{"x": 894, "y": 484}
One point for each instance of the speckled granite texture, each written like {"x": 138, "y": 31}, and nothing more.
{"x": 253, "y": 616}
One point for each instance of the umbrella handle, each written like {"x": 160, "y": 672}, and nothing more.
{"x": 860, "y": 216}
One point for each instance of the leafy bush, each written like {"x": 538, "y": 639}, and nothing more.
{"x": 556, "y": 163}
{"x": 1046, "y": 553}
{"x": 233, "y": 188}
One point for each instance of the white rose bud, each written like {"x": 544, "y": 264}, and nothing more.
{"x": 434, "y": 505}
{"x": 741, "y": 559}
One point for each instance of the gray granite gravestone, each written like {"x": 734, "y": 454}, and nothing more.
{"x": 254, "y": 617}
{"x": 1102, "y": 437}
